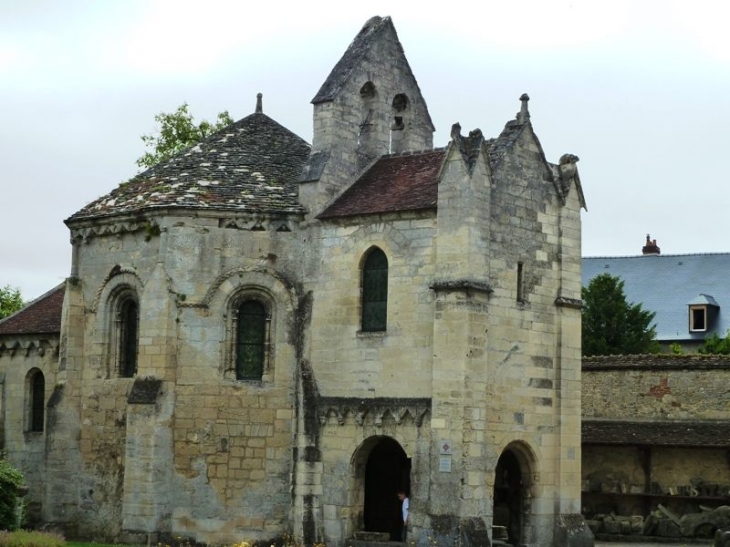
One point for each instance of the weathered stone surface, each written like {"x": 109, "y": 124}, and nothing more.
{"x": 479, "y": 360}
{"x": 573, "y": 531}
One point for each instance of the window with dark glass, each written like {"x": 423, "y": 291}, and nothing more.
{"x": 375, "y": 291}
{"x": 37, "y": 401}
{"x": 698, "y": 319}
{"x": 251, "y": 340}
{"x": 128, "y": 337}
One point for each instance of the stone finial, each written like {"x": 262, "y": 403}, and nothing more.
{"x": 523, "y": 116}
{"x": 259, "y": 103}
{"x": 470, "y": 146}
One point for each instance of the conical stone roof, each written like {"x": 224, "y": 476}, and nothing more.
{"x": 250, "y": 166}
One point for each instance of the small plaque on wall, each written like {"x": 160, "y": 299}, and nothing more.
{"x": 445, "y": 464}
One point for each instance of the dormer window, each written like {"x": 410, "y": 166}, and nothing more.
{"x": 702, "y": 313}
{"x": 698, "y": 318}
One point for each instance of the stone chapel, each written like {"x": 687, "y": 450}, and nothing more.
{"x": 263, "y": 338}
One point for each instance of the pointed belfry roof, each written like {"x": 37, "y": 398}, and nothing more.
{"x": 511, "y": 132}
{"x": 562, "y": 176}
{"x": 375, "y": 29}
{"x": 249, "y": 166}
{"x": 371, "y": 31}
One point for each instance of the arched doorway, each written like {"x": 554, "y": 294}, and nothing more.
{"x": 388, "y": 470}
{"x": 508, "y": 496}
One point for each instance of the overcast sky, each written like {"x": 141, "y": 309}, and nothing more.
{"x": 637, "y": 89}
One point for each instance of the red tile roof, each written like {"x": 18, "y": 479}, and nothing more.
{"x": 43, "y": 315}
{"x": 402, "y": 182}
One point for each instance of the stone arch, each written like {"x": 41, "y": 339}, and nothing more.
{"x": 35, "y": 400}
{"x": 120, "y": 287}
{"x": 380, "y": 468}
{"x": 374, "y": 289}
{"x": 400, "y": 110}
{"x": 240, "y": 285}
{"x": 368, "y": 91}
{"x": 117, "y": 276}
{"x": 515, "y": 476}
{"x": 380, "y": 234}
{"x": 367, "y": 135}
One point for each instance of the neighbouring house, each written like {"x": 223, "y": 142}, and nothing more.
{"x": 687, "y": 292}
{"x": 262, "y": 337}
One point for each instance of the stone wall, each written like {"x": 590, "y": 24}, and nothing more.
{"x": 662, "y": 465}
{"x": 656, "y": 387}
{"x": 21, "y": 356}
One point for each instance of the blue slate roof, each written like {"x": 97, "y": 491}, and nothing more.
{"x": 667, "y": 284}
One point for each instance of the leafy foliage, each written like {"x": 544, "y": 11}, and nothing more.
{"x": 715, "y": 345}
{"x": 25, "y": 538}
{"x": 10, "y": 480}
{"x": 612, "y": 326}
{"x": 177, "y": 132}
{"x": 10, "y": 300}
{"x": 676, "y": 349}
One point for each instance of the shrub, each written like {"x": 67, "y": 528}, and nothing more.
{"x": 714, "y": 345}
{"x": 24, "y": 538}
{"x": 10, "y": 481}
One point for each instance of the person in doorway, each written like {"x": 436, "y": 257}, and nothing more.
{"x": 404, "y": 512}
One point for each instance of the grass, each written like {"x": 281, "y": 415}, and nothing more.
{"x": 25, "y": 538}
{"x": 94, "y": 544}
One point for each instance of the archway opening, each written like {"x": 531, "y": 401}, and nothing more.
{"x": 387, "y": 471}
{"x": 508, "y": 494}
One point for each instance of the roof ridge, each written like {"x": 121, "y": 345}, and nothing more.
{"x": 604, "y": 257}
{"x": 357, "y": 49}
{"x": 413, "y": 152}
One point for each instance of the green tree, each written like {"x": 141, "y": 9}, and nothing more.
{"x": 611, "y": 325}
{"x": 177, "y": 131}
{"x": 10, "y": 300}
{"x": 715, "y": 345}
{"x": 10, "y": 481}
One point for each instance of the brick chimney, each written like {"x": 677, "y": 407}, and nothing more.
{"x": 651, "y": 247}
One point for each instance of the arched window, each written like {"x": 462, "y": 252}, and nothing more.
{"x": 37, "y": 401}
{"x": 375, "y": 291}
{"x": 127, "y": 336}
{"x": 251, "y": 340}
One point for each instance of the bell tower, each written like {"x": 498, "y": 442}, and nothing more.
{"x": 370, "y": 105}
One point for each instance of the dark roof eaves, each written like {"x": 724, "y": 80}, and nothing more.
{"x": 377, "y": 213}
{"x": 697, "y": 433}
{"x": 137, "y": 214}
{"x": 385, "y": 212}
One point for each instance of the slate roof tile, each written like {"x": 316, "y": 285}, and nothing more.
{"x": 400, "y": 182}
{"x": 42, "y": 315}
{"x": 667, "y": 284}
{"x": 251, "y": 165}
